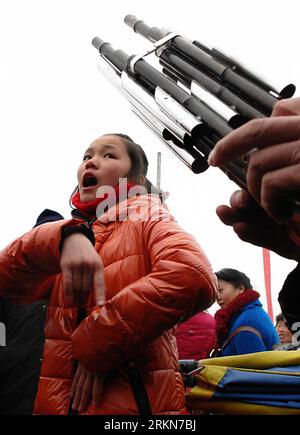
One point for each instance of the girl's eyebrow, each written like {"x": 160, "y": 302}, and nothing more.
{"x": 108, "y": 146}
{"x": 88, "y": 150}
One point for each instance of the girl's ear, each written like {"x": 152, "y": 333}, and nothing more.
{"x": 138, "y": 180}
{"x": 142, "y": 180}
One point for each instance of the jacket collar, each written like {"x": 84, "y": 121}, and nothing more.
{"x": 135, "y": 208}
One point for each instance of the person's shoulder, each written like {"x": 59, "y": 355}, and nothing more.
{"x": 248, "y": 315}
{"x": 48, "y": 215}
{"x": 255, "y": 317}
{"x": 251, "y": 307}
{"x": 205, "y": 320}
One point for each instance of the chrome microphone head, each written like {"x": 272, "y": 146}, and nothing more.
{"x": 131, "y": 20}
{"x": 97, "y": 42}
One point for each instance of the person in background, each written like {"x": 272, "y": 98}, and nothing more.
{"x": 288, "y": 341}
{"x": 284, "y": 333}
{"x": 286, "y": 336}
{"x": 196, "y": 337}
{"x": 20, "y": 359}
{"x": 242, "y": 324}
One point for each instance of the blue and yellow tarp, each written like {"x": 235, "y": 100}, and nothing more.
{"x": 255, "y": 383}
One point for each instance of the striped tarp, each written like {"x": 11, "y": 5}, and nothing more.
{"x": 257, "y": 383}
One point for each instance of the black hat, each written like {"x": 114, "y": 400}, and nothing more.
{"x": 235, "y": 277}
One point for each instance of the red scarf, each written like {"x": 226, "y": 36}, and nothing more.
{"x": 89, "y": 208}
{"x": 224, "y": 315}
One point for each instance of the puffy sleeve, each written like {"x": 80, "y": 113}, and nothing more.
{"x": 29, "y": 264}
{"x": 181, "y": 283}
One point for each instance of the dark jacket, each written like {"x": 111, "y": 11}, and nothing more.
{"x": 289, "y": 299}
{"x": 20, "y": 359}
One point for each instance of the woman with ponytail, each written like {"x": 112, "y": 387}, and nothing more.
{"x": 121, "y": 274}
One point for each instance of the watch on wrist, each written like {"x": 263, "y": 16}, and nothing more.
{"x": 79, "y": 229}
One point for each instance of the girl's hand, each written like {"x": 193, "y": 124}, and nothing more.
{"x": 86, "y": 388}
{"x": 82, "y": 270}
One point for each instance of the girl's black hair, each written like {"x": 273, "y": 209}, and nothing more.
{"x": 139, "y": 164}
{"x": 138, "y": 158}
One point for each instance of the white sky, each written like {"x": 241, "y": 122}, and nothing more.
{"x": 54, "y": 102}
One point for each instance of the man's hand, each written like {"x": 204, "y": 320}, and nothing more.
{"x": 273, "y": 178}
{"x": 86, "y": 389}
{"x": 253, "y": 225}
{"x": 273, "y": 172}
{"x": 82, "y": 270}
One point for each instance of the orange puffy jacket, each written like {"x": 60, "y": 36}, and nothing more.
{"x": 155, "y": 274}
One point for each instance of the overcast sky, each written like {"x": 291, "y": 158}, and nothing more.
{"x": 54, "y": 102}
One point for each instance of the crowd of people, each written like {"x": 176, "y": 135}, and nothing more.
{"x": 99, "y": 308}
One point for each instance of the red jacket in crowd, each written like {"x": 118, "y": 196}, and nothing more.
{"x": 196, "y": 337}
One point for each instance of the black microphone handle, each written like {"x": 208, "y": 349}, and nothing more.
{"x": 225, "y": 73}
{"x": 117, "y": 57}
{"x": 185, "y": 70}
{"x": 204, "y": 57}
{"x": 141, "y": 28}
{"x": 146, "y": 72}
{"x": 193, "y": 105}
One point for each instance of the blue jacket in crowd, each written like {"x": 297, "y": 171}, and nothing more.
{"x": 253, "y": 315}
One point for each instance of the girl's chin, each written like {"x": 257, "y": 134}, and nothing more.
{"x": 86, "y": 197}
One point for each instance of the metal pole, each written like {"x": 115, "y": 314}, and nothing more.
{"x": 158, "y": 173}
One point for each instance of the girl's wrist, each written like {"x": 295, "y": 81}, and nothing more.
{"x": 77, "y": 229}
